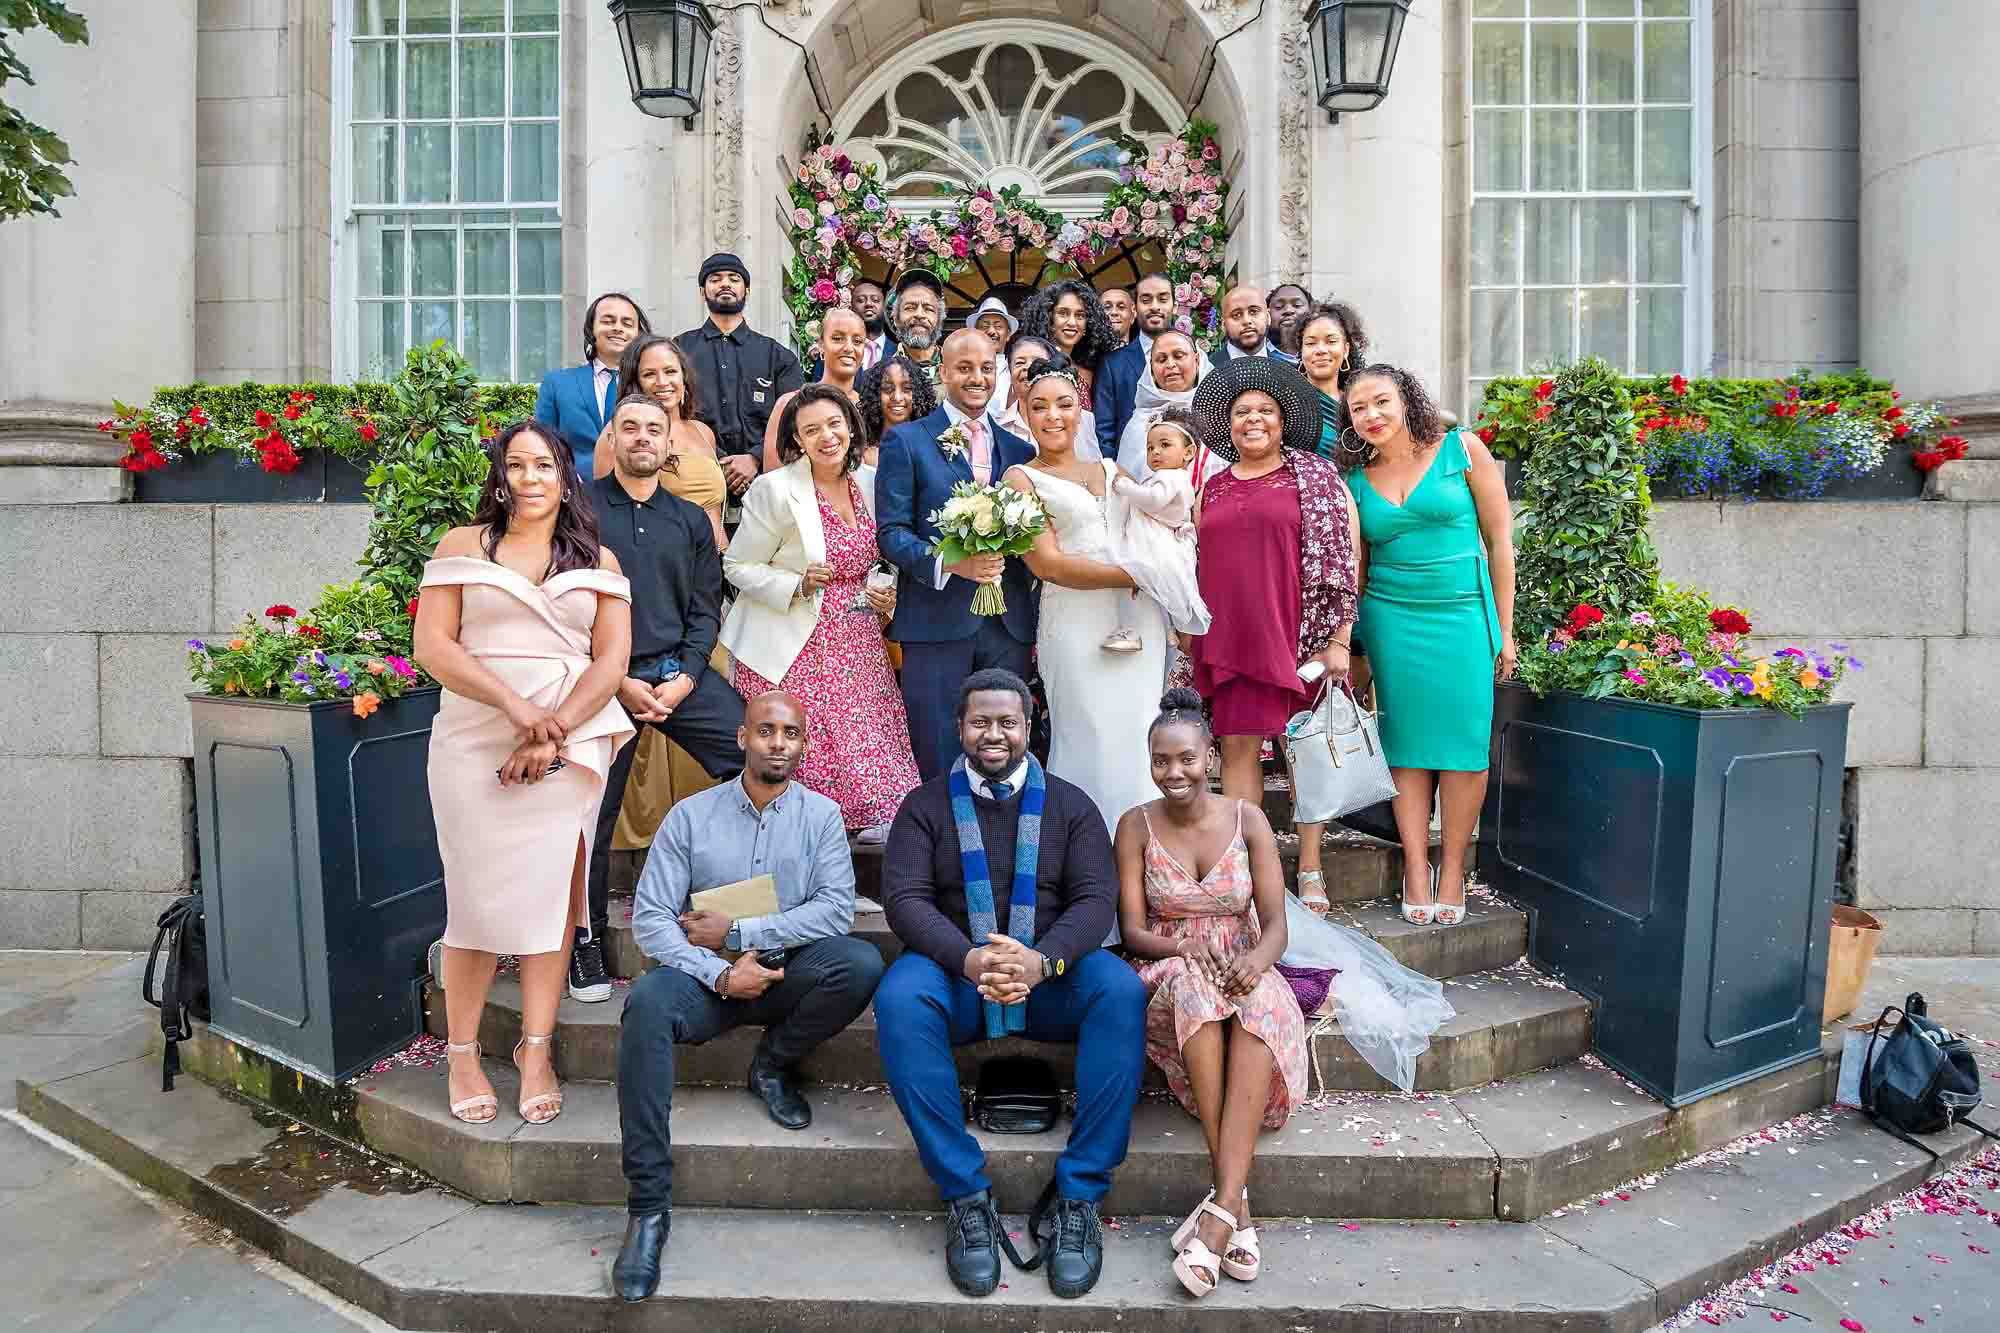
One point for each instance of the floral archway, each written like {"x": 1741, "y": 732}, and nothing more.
{"x": 1171, "y": 194}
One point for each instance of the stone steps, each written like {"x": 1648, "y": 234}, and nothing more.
{"x": 421, "y": 1257}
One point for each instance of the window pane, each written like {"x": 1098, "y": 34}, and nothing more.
{"x": 432, "y": 273}
{"x": 1499, "y": 9}
{"x": 428, "y": 15}
{"x": 1661, "y": 227}
{"x": 1495, "y": 332}
{"x": 382, "y": 342}
{"x": 1655, "y": 9}
{"x": 1555, "y": 63}
{"x": 1614, "y": 161}
{"x": 1661, "y": 312}
{"x": 1496, "y": 240}
{"x": 375, "y": 18}
{"x": 535, "y": 77}
{"x": 534, "y": 162}
{"x": 1497, "y": 57}
{"x": 482, "y": 78}
{"x": 486, "y": 263}
{"x": 375, "y": 164}
{"x": 375, "y": 81}
{"x": 1554, "y": 8}
{"x": 482, "y": 15}
{"x": 1611, "y": 67}
{"x": 482, "y": 151}
{"x": 535, "y": 15}
{"x": 1668, "y": 149}
{"x": 1609, "y": 9}
{"x": 426, "y": 164}
{"x": 427, "y": 73}
{"x": 381, "y": 263}
{"x": 1555, "y": 151}
{"x": 1546, "y": 327}
{"x": 429, "y": 321}
{"x": 1605, "y": 240}
{"x": 1496, "y": 150}
{"x": 1669, "y": 60}
{"x": 489, "y": 337}
{"x": 1604, "y": 311}
{"x": 538, "y": 326}
{"x": 1549, "y": 247}
{"x": 541, "y": 262}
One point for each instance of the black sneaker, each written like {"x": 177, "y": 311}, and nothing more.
{"x": 1076, "y": 1251}
{"x": 588, "y": 981}
{"x": 972, "y": 1244}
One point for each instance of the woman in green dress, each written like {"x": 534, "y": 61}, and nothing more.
{"x": 1437, "y": 612}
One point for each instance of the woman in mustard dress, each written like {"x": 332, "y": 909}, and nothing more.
{"x": 1437, "y": 614}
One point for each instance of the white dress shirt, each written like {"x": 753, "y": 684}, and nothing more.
{"x": 1015, "y": 781}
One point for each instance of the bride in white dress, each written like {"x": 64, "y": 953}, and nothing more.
{"x": 1100, "y": 703}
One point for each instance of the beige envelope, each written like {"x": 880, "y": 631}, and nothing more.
{"x": 746, "y": 897}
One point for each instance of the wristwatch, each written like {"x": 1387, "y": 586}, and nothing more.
{"x": 733, "y": 941}
{"x": 1052, "y": 967}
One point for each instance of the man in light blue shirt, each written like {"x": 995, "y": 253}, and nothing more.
{"x": 819, "y": 979}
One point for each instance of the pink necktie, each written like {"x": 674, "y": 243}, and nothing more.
{"x": 982, "y": 450}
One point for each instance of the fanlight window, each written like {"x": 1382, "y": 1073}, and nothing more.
{"x": 1008, "y": 112}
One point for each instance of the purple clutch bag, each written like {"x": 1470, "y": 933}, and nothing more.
{"x": 1310, "y": 985}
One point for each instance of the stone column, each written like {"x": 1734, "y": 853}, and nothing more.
{"x": 99, "y": 303}
{"x": 1930, "y": 191}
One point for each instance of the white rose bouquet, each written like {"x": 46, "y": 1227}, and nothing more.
{"x": 987, "y": 520}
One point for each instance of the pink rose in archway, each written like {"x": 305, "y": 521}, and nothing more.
{"x": 825, "y": 292}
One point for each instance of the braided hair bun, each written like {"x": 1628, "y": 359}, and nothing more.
{"x": 1177, "y": 706}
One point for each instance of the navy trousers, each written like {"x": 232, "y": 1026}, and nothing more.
{"x": 932, "y": 674}
{"x": 1100, "y": 1005}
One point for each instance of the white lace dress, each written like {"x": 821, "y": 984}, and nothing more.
{"x": 1100, "y": 703}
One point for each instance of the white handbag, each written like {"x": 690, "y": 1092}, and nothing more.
{"x": 1335, "y": 753}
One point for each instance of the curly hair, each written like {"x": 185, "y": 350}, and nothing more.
{"x": 923, "y": 395}
{"x": 628, "y": 371}
{"x": 788, "y": 424}
{"x": 1098, "y": 340}
{"x": 1351, "y": 328}
{"x": 574, "y": 544}
{"x": 1420, "y": 415}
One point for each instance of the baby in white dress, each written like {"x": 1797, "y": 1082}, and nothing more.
{"x": 1152, "y": 530}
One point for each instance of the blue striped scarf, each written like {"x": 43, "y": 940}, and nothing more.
{"x": 982, "y": 914}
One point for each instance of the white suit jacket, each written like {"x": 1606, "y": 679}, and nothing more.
{"x": 779, "y": 536}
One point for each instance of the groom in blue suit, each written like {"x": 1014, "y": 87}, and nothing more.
{"x": 943, "y": 641}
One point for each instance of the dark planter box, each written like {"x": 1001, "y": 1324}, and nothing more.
{"x": 320, "y": 875}
{"x": 227, "y": 478}
{"x": 1894, "y": 480}
{"x": 1677, "y": 867}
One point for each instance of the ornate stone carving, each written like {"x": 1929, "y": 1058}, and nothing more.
{"x": 726, "y": 61}
{"x": 1295, "y": 126}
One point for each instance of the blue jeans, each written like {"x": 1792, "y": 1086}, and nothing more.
{"x": 1100, "y": 1005}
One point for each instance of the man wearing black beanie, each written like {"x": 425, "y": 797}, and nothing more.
{"x": 739, "y": 374}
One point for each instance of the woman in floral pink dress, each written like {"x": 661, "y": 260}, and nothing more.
{"x": 1202, "y": 896}
{"x": 805, "y": 619}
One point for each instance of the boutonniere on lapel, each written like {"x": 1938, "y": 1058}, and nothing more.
{"x": 954, "y": 443}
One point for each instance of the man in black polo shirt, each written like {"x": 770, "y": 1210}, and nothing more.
{"x": 739, "y": 374}
{"x": 666, "y": 547}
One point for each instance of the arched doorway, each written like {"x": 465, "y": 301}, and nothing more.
{"x": 1002, "y": 103}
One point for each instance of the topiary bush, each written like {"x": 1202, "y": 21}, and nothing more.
{"x": 426, "y": 480}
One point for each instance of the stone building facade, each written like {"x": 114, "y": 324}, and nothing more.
{"x": 292, "y": 190}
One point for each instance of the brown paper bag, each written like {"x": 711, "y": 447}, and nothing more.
{"x": 1850, "y": 953}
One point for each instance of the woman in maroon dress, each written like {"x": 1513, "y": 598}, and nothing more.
{"x": 1276, "y": 535}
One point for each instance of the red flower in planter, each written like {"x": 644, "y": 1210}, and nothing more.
{"x": 1486, "y": 435}
{"x": 292, "y": 412}
{"x": 1545, "y": 390}
{"x": 280, "y": 612}
{"x": 368, "y": 431}
{"x": 1927, "y": 460}
{"x": 1729, "y": 620}
{"x": 1829, "y": 409}
{"x": 1952, "y": 447}
{"x": 1679, "y": 384}
{"x": 1581, "y": 617}
{"x": 412, "y": 608}
{"x": 1900, "y": 430}
{"x": 309, "y": 631}
{"x": 197, "y": 416}
{"x": 265, "y": 420}
{"x": 1892, "y": 414}
{"x": 1543, "y": 412}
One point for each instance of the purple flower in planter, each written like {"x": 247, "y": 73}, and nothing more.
{"x": 302, "y": 678}
{"x": 343, "y": 680}
{"x": 1744, "y": 685}
{"x": 1731, "y": 659}
{"x": 1558, "y": 645}
{"x": 319, "y": 658}
{"x": 1789, "y": 652}
{"x": 1685, "y": 660}
{"x": 1718, "y": 677}
{"x": 197, "y": 646}
{"x": 1854, "y": 664}
{"x": 1838, "y": 647}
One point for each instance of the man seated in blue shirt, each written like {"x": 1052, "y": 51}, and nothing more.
{"x": 761, "y": 824}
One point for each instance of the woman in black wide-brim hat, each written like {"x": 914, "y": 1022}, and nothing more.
{"x": 1276, "y": 535}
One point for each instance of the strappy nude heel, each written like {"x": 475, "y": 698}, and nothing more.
{"x": 531, "y": 1108}
{"x": 1195, "y": 1258}
{"x": 485, "y": 1101}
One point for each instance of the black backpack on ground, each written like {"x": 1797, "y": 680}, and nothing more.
{"x": 1921, "y": 1078}
{"x": 183, "y": 993}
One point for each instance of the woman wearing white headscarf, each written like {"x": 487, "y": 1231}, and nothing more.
{"x": 1172, "y": 371}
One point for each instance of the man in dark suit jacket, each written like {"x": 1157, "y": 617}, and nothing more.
{"x": 1072, "y": 990}
{"x": 1246, "y": 329}
{"x": 1119, "y": 375}
{"x": 577, "y": 400}
{"x": 943, "y": 641}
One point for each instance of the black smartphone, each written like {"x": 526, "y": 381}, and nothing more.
{"x": 774, "y": 959}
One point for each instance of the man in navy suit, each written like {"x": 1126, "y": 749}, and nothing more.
{"x": 1246, "y": 329}
{"x": 1118, "y": 377}
{"x": 577, "y": 400}
{"x": 943, "y": 641}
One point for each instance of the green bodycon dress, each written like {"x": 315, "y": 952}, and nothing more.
{"x": 1428, "y": 618}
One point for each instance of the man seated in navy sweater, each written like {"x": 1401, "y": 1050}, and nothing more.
{"x": 991, "y": 955}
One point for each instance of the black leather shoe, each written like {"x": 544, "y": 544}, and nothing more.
{"x": 778, "y": 1089}
{"x": 636, "y": 1274}
{"x": 972, "y": 1244}
{"x": 1076, "y": 1251}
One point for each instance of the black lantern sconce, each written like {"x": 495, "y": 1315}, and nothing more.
{"x": 666, "y": 45}
{"x": 1353, "y": 51}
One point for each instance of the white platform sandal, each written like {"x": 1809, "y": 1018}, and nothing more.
{"x": 1196, "y": 1266}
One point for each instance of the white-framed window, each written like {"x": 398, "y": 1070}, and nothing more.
{"x": 1586, "y": 173}
{"x": 449, "y": 143}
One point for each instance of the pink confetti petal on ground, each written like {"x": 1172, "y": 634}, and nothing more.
{"x": 1979, "y": 1249}
{"x": 1788, "y": 1287}
{"x": 1853, "y": 1326}
{"x": 1349, "y": 1226}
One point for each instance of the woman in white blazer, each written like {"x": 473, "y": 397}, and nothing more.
{"x": 806, "y": 619}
